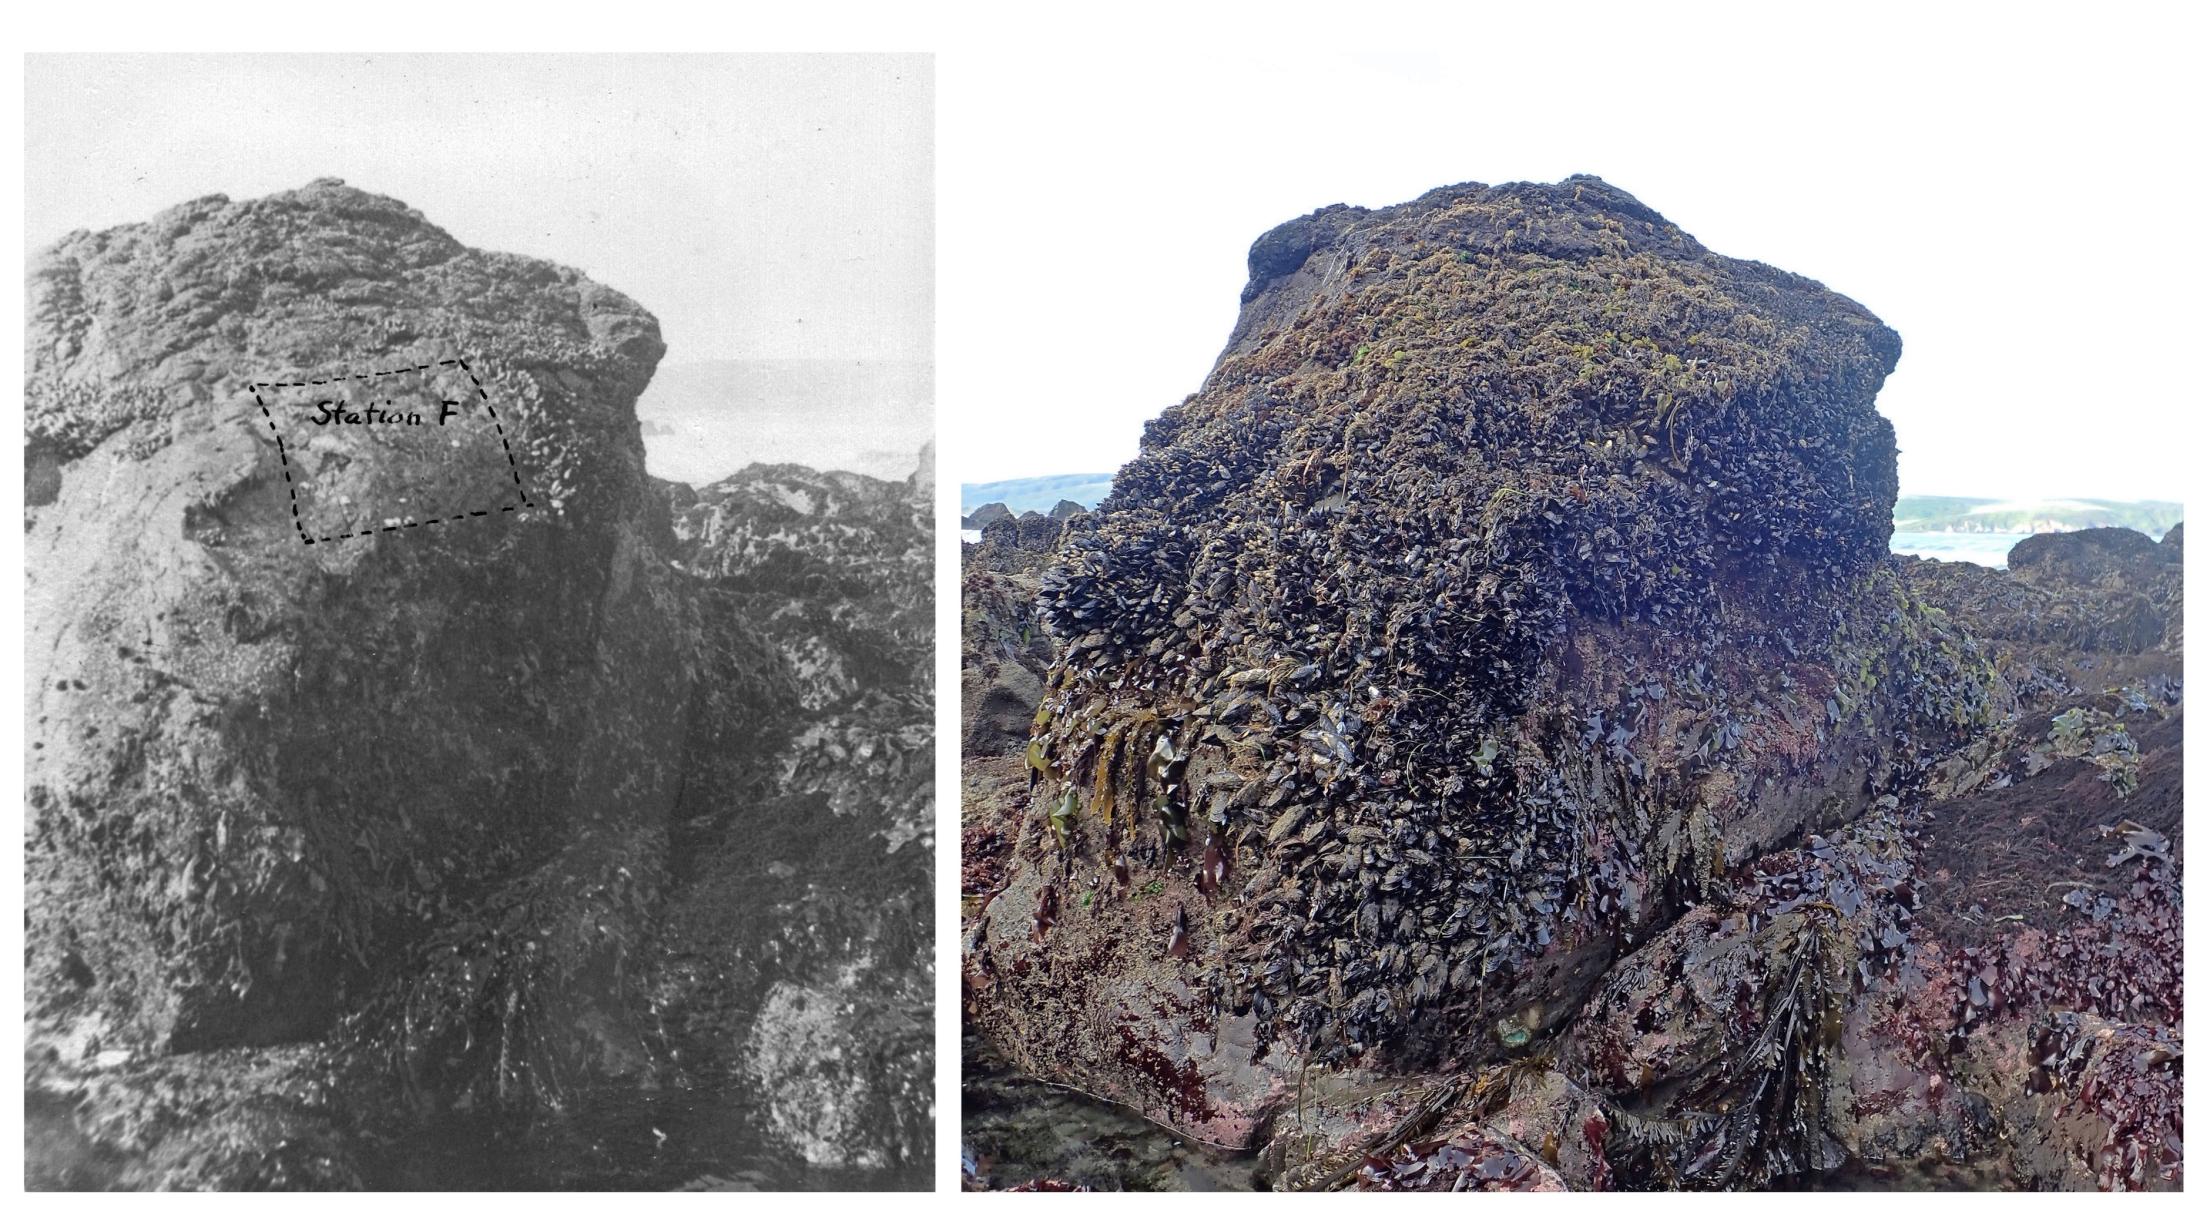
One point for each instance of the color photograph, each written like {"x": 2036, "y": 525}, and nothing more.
{"x": 1651, "y": 659}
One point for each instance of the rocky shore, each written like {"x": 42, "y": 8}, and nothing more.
{"x": 338, "y": 848}
{"x": 1484, "y": 741}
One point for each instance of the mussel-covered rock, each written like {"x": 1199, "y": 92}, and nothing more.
{"x": 1520, "y": 568}
{"x": 1724, "y": 1039}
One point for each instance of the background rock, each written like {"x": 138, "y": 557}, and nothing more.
{"x": 803, "y": 938}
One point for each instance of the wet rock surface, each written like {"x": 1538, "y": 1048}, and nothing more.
{"x": 1019, "y": 1134}
{"x": 422, "y": 808}
{"x": 1495, "y": 678}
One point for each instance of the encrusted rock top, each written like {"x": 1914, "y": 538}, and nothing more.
{"x": 1579, "y": 327}
{"x": 170, "y": 317}
{"x": 1282, "y": 251}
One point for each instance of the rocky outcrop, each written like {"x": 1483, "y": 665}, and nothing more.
{"x": 2073, "y": 609}
{"x": 387, "y": 743}
{"x": 255, "y": 761}
{"x": 1015, "y": 545}
{"x": 1497, "y": 662}
{"x": 1006, "y": 652}
{"x": 803, "y": 945}
{"x": 828, "y": 566}
{"x": 986, "y": 515}
{"x": 2092, "y": 591}
{"x": 1006, "y": 648}
{"x": 2087, "y": 555}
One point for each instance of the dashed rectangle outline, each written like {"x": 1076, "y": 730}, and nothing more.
{"x": 280, "y": 450}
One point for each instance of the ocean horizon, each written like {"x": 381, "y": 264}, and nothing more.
{"x": 1984, "y": 549}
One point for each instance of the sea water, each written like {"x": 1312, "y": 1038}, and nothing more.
{"x": 704, "y": 421}
{"x": 1984, "y": 549}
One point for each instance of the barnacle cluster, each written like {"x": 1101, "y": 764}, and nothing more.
{"x": 66, "y": 419}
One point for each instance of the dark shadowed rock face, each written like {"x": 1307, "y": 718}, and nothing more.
{"x": 1006, "y": 653}
{"x": 1520, "y": 567}
{"x": 1006, "y": 649}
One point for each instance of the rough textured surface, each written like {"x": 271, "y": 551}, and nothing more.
{"x": 2094, "y": 591}
{"x": 1499, "y": 659}
{"x": 1005, "y": 646}
{"x": 985, "y": 515}
{"x": 1405, "y": 624}
{"x": 418, "y": 796}
{"x": 300, "y": 764}
{"x": 802, "y": 944}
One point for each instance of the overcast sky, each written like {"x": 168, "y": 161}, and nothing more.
{"x": 2016, "y": 201}
{"x": 2012, "y": 197}
{"x": 774, "y": 207}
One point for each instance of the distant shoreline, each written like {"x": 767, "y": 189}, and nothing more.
{"x": 1970, "y": 516}
{"x": 705, "y": 421}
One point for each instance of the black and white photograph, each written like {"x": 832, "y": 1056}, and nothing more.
{"x": 479, "y": 627}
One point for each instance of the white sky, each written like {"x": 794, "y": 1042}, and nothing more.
{"x": 2011, "y": 195}
{"x": 2017, "y": 202}
{"x": 771, "y": 207}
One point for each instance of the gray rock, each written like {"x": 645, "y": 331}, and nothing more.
{"x": 986, "y": 515}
